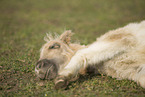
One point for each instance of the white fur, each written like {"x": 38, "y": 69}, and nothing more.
{"x": 122, "y": 57}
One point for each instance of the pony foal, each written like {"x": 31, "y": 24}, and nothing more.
{"x": 55, "y": 55}
{"x": 119, "y": 53}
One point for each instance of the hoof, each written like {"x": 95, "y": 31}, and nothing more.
{"x": 61, "y": 83}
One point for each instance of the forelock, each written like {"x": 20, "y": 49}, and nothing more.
{"x": 51, "y": 36}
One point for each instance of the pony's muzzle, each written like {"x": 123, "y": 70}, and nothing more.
{"x": 46, "y": 69}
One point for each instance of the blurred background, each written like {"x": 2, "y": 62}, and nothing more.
{"x": 88, "y": 19}
{"x": 24, "y": 23}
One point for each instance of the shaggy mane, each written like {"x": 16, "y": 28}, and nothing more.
{"x": 51, "y": 36}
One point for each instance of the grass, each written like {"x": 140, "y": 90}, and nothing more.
{"x": 23, "y": 25}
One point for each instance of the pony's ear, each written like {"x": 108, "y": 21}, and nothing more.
{"x": 66, "y": 36}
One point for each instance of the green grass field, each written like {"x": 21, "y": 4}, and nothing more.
{"x": 24, "y": 23}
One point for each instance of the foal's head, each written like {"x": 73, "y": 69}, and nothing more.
{"x": 54, "y": 55}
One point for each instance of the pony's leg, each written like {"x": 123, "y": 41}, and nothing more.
{"x": 95, "y": 53}
{"x": 140, "y": 76}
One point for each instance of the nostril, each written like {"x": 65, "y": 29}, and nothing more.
{"x": 38, "y": 66}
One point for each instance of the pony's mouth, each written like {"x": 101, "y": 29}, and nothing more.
{"x": 47, "y": 73}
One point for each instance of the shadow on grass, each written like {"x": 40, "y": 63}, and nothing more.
{"x": 91, "y": 73}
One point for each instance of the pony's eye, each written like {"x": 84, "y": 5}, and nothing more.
{"x": 54, "y": 46}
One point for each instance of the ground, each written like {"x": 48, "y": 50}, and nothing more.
{"x": 24, "y": 23}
